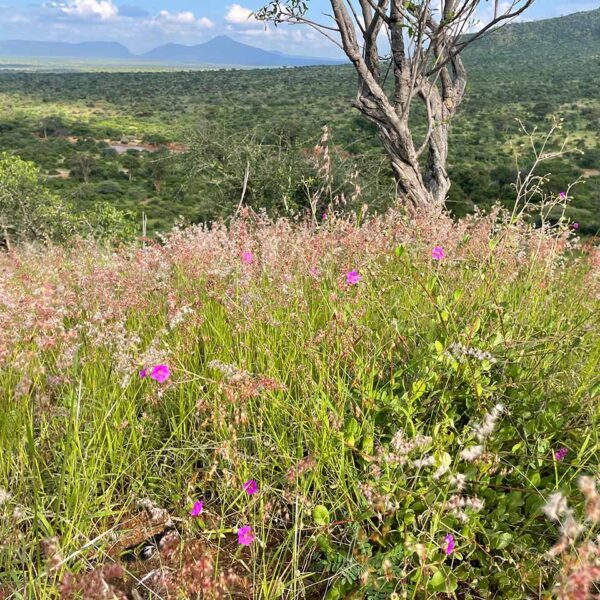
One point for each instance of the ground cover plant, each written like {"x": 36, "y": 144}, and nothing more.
{"x": 341, "y": 407}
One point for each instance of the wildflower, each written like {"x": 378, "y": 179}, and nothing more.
{"x": 575, "y": 225}
{"x": 352, "y": 278}
{"x": 313, "y": 272}
{"x": 251, "y": 487}
{"x": 449, "y": 540}
{"x": 438, "y": 253}
{"x": 197, "y": 508}
{"x": 560, "y": 453}
{"x": 245, "y": 536}
{"x": 160, "y": 373}
{"x": 562, "y": 195}
{"x": 143, "y": 373}
{"x": 248, "y": 258}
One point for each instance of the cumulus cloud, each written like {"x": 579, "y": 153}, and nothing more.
{"x": 88, "y": 9}
{"x": 238, "y": 15}
{"x": 182, "y": 19}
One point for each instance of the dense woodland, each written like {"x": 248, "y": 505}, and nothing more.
{"x": 179, "y": 144}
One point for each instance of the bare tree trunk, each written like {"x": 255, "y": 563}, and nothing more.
{"x": 436, "y": 177}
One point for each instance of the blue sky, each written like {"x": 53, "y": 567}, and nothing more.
{"x": 144, "y": 24}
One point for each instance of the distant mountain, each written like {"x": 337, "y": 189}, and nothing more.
{"x": 566, "y": 39}
{"x": 22, "y": 48}
{"x": 222, "y": 50}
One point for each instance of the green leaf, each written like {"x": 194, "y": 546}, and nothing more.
{"x": 321, "y": 515}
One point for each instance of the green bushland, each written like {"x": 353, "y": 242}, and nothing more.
{"x": 314, "y": 379}
{"x": 528, "y": 71}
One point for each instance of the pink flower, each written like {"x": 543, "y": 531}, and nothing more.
{"x": 143, "y": 373}
{"x": 248, "y": 258}
{"x": 562, "y": 195}
{"x": 245, "y": 535}
{"x": 449, "y": 540}
{"x": 313, "y": 272}
{"x": 575, "y": 225}
{"x": 160, "y": 373}
{"x": 251, "y": 487}
{"x": 197, "y": 508}
{"x": 352, "y": 278}
{"x": 560, "y": 453}
{"x": 438, "y": 253}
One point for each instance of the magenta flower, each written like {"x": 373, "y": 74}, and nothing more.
{"x": 248, "y": 258}
{"x": 562, "y": 195}
{"x": 438, "y": 253}
{"x": 449, "y": 540}
{"x": 575, "y": 225}
{"x": 197, "y": 508}
{"x": 251, "y": 487}
{"x": 352, "y": 278}
{"x": 245, "y": 536}
{"x": 143, "y": 373}
{"x": 313, "y": 271}
{"x": 160, "y": 373}
{"x": 560, "y": 453}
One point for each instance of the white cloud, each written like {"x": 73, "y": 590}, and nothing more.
{"x": 185, "y": 19}
{"x": 86, "y": 9}
{"x": 238, "y": 15}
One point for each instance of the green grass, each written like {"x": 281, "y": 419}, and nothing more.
{"x": 327, "y": 373}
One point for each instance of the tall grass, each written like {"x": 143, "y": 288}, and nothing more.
{"x": 351, "y": 405}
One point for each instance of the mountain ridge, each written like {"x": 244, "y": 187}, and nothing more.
{"x": 220, "y": 50}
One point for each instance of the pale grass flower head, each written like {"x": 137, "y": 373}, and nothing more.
{"x": 555, "y": 506}
{"x": 472, "y": 453}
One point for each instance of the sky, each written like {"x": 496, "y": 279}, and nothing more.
{"x": 144, "y": 24}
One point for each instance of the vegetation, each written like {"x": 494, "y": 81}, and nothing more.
{"x": 308, "y": 394}
{"x": 405, "y": 395}
{"x": 53, "y": 119}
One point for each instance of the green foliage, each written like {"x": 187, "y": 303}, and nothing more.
{"x": 30, "y": 212}
{"x": 527, "y": 71}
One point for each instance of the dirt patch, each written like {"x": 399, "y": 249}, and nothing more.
{"x": 587, "y": 173}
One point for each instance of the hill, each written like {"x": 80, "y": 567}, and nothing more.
{"x": 23, "y": 48}
{"x": 223, "y": 50}
{"x": 561, "y": 39}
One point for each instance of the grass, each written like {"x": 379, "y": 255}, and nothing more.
{"x": 284, "y": 373}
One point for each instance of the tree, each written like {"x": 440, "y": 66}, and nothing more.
{"x": 426, "y": 38}
{"x": 28, "y": 211}
{"x": 82, "y": 165}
